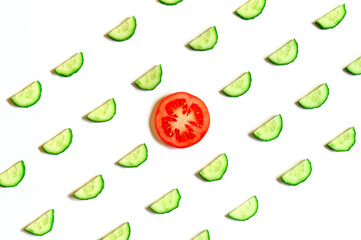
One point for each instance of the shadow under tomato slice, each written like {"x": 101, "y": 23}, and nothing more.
{"x": 181, "y": 120}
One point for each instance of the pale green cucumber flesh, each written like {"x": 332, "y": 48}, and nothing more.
{"x": 298, "y": 174}
{"x": 59, "y": 143}
{"x": 204, "y": 235}
{"x": 333, "y": 18}
{"x": 91, "y": 189}
{"x": 216, "y": 169}
{"x": 345, "y": 141}
{"x": 316, "y": 98}
{"x": 205, "y": 41}
{"x": 136, "y": 157}
{"x": 167, "y": 203}
{"x": 170, "y": 2}
{"x": 270, "y": 130}
{"x": 355, "y": 67}
{"x": 238, "y": 87}
{"x": 70, "y": 66}
{"x": 246, "y": 210}
{"x": 103, "y": 113}
{"x": 124, "y": 31}
{"x": 120, "y": 233}
{"x": 286, "y": 54}
{"x": 13, "y": 175}
{"x": 251, "y": 9}
{"x": 151, "y": 79}
{"x": 28, "y": 96}
{"x": 42, "y": 225}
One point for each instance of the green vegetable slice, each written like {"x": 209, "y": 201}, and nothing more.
{"x": 238, "y": 87}
{"x": 103, "y": 113}
{"x": 42, "y": 225}
{"x": 355, "y": 67}
{"x": 298, "y": 174}
{"x": 333, "y": 18}
{"x": 270, "y": 130}
{"x": 150, "y": 79}
{"x": 251, "y": 9}
{"x": 136, "y": 157}
{"x": 204, "y": 235}
{"x": 124, "y": 31}
{"x": 28, "y": 96}
{"x": 121, "y": 233}
{"x": 246, "y": 210}
{"x": 286, "y": 54}
{"x": 344, "y": 142}
{"x": 167, "y": 203}
{"x": 70, "y": 66}
{"x": 205, "y": 41}
{"x": 91, "y": 189}
{"x": 316, "y": 98}
{"x": 170, "y": 2}
{"x": 216, "y": 169}
{"x": 13, "y": 175}
{"x": 59, "y": 143}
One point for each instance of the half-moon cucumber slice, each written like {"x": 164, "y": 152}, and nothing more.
{"x": 251, "y": 9}
{"x": 13, "y": 175}
{"x": 270, "y": 130}
{"x": 42, "y": 225}
{"x": 298, "y": 174}
{"x": 239, "y": 86}
{"x": 286, "y": 54}
{"x": 246, "y": 210}
{"x": 316, "y": 98}
{"x": 355, "y": 67}
{"x": 91, "y": 189}
{"x": 135, "y": 158}
{"x": 124, "y": 31}
{"x": 150, "y": 79}
{"x": 205, "y": 41}
{"x": 104, "y": 112}
{"x": 121, "y": 233}
{"x": 28, "y": 96}
{"x": 344, "y": 142}
{"x": 170, "y": 2}
{"x": 333, "y": 18}
{"x": 59, "y": 143}
{"x": 216, "y": 169}
{"x": 70, "y": 66}
{"x": 167, "y": 203}
{"x": 204, "y": 235}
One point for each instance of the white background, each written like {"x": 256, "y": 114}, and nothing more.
{"x": 37, "y": 36}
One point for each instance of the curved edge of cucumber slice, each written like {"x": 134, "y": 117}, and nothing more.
{"x": 104, "y": 112}
{"x": 216, "y": 169}
{"x": 297, "y": 174}
{"x": 135, "y": 158}
{"x": 120, "y": 233}
{"x": 354, "y": 67}
{"x": 270, "y": 130}
{"x": 59, "y": 143}
{"x": 170, "y": 2}
{"x": 91, "y": 189}
{"x": 204, "y": 235}
{"x": 239, "y": 86}
{"x": 332, "y": 18}
{"x": 151, "y": 79}
{"x": 246, "y": 210}
{"x": 41, "y": 225}
{"x": 124, "y": 30}
{"x": 286, "y": 54}
{"x": 316, "y": 98}
{"x": 343, "y": 142}
{"x": 167, "y": 202}
{"x": 251, "y": 9}
{"x": 70, "y": 66}
{"x": 206, "y": 41}
{"x": 13, "y": 175}
{"x": 28, "y": 96}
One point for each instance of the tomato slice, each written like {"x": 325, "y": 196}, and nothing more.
{"x": 181, "y": 120}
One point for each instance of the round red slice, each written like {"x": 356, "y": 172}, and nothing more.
{"x": 181, "y": 120}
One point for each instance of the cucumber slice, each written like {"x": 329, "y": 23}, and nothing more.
{"x": 246, "y": 210}
{"x": 205, "y": 41}
{"x": 298, "y": 174}
{"x": 121, "y": 233}
{"x": 13, "y": 175}
{"x": 150, "y": 79}
{"x": 315, "y": 98}
{"x": 167, "y": 203}
{"x": 135, "y": 158}
{"x": 91, "y": 189}
{"x": 344, "y": 142}
{"x": 216, "y": 169}
{"x": 28, "y": 96}
{"x": 238, "y": 87}
{"x": 124, "y": 31}
{"x": 70, "y": 66}
{"x": 286, "y": 54}
{"x": 104, "y": 112}
{"x": 251, "y": 9}
{"x": 170, "y": 2}
{"x": 355, "y": 67}
{"x": 333, "y": 18}
{"x": 42, "y": 225}
{"x": 204, "y": 235}
{"x": 59, "y": 143}
{"x": 270, "y": 130}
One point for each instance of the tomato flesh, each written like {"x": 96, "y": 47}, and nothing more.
{"x": 181, "y": 120}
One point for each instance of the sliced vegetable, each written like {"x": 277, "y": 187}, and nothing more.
{"x": 135, "y": 158}
{"x": 238, "y": 87}
{"x": 124, "y": 31}
{"x": 344, "y": 142}
{"x": 104, "y": 112}
{"x": 204, "y": 235}
{"x": 121, "y": 233}
{"x": 216, "y": 169}
{"x": 90, "y": 190}
{"x": 298, "y": 174}
{"x": 333, "y": 18}
{"x": 28, "y": 96}
{"x": 70, "y": 66}
{"x": 315, "y": 98}
{"x": 270, "y": 130}
{"x": 205, "y": 41}
{"x": 286, "y": 54}
{"x": 150, "y": 79}
{"x": 167, "y": 203}
{"x": 59, "y": 143}
{"x": 246, "y": 210}
{"x": 355, "y": 67}
{"x": 251, "y": 9}
{"x": 170, "y": 2}
{"x": 13, "y": 175}
{"x": 42, "y": 225}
